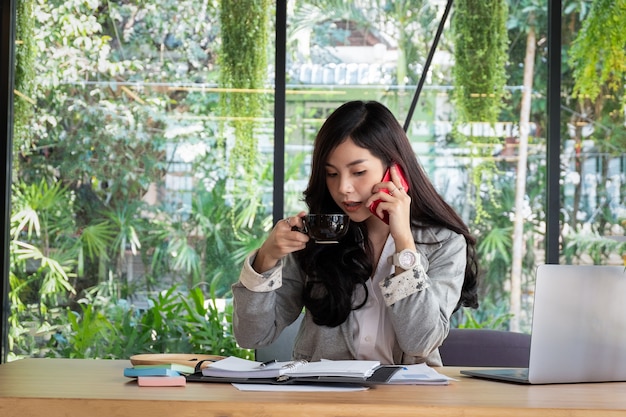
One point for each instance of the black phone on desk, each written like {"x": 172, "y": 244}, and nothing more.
{"x": 387, "y": 177}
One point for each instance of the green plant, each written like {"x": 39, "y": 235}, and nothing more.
{"x": 480, "y": 51}
{"x": 597, "y": 54}
{"x": 24, "y": 104}
{"x": 588, "y": 245}
{"x": 173, "y": 322}
{"x": 243, "y": 71}
{"x": 43, "y": 244}
{"x": 493, "y": 234}
{"x": 479, "y": 75}
{"x": 496, "y": 319}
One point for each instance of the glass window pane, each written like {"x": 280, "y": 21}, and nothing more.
{"x": 144, "y": 153}
{"x": 138, "y": 186}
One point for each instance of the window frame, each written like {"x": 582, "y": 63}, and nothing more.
{"x": 7, "y": 54}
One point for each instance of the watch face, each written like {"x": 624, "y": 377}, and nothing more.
{"x": 407, "y": 260}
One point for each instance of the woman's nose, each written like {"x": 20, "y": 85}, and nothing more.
{"x": 345, "y": 186}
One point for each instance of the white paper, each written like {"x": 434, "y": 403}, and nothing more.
{"x": 419, "y": 374}
{"x": 347, "y": 368}
{"x": 298, "y": 388}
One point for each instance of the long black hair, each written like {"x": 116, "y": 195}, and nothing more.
{"x": 335, "y": 271}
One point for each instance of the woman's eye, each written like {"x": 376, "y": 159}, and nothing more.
{"x": 331, "y": 174}
{"x": 359, "y": 173}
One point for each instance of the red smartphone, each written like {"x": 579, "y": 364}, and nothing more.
{"x": 387, "y": 177}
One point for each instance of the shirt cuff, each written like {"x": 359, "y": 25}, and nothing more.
{"x": 268, "y": 281}
{"x": 396, "y": 287}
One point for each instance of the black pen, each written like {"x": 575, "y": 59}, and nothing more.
{"x": 264, "y": 364}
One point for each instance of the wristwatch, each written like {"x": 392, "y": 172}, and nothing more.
{"x": 406, "y": 259}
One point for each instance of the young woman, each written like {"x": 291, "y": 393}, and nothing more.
{"x": 361, "y": 300}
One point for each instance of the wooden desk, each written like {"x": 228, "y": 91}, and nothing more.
{"x": 93, "y": 388}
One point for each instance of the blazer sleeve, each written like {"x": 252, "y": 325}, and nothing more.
{"x": 264, "y": 304}
{"x": 421, "y": 315}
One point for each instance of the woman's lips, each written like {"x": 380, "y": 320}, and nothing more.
{"x": 351, "y": 206}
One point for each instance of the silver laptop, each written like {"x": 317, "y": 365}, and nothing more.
{"x": 578, "y": 328}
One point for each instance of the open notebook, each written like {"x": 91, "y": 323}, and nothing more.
{"x": 243, "y": 368}
{"x": 578, "y": 329}
{"x": 359, "y": 372}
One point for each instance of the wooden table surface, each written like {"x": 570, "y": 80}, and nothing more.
{"x": 93, "y": 388}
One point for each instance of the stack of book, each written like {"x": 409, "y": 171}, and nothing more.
{"x": 159, "y": 375}
{"x": 166, "y": 369}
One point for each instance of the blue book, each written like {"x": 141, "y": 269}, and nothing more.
{"x": 182, "y": 369}
{"x": 136, "y": 372}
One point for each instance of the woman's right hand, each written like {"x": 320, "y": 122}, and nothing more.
{"x": 281, "y": 241}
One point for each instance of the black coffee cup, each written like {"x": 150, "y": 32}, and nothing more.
{"x": 325, "y": 228}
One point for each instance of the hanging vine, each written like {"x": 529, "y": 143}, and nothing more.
{"x": 243, "y": 70}
{"x": 24, "y": 103}
{"x": 480, "y": 53}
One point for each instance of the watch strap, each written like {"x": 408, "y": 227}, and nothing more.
{"x": 396, "y": 259}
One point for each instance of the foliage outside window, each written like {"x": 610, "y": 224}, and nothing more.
{"x": 122, "y": 88}
{"x": 598, "y": 55}
{"x": 86, "y": 202}
{"x": 597, "y": 58}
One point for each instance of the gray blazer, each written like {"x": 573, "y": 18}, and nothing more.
{"x": 421, "y": 319}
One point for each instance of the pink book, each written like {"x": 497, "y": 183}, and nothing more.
{"x": 161, "y": 381}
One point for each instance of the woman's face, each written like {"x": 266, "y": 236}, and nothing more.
{"x": 351, "y": 173}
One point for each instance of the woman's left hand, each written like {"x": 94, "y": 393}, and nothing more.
{"x": 398, "y": 204}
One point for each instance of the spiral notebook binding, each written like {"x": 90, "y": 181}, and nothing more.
{"x": 294, "y": 364}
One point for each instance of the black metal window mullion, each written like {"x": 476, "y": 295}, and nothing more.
{"x": 553, "y": 156}
{"x": 279, "y": 110}
{"x": 7, "y": 42}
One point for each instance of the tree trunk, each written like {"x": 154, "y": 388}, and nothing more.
{"x": 578, "y": 168}
{"x": 520, "y": 184}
